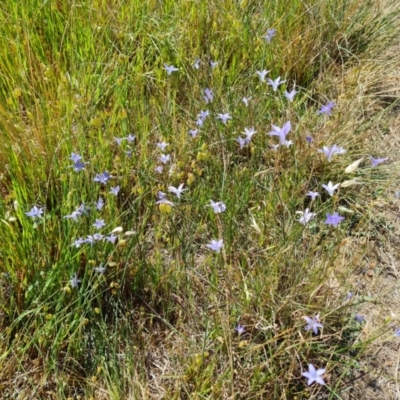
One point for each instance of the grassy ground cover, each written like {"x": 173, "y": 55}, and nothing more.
{"x": 159, "y": 238}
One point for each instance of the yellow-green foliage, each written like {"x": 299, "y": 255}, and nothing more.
{"x": 159, "y": 322}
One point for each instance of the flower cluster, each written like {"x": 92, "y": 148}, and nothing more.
{"x": 282, "y": 137}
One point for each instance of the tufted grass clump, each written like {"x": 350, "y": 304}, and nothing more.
{"x": 174, "y": 223}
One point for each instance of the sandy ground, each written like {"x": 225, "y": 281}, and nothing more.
{"x": 378, "y": 277}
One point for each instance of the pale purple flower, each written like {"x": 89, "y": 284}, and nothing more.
{"x": 376, "y": 161}
{"x": 249, "y": 133}
{"x": 82, "y": 209}
{"x": 240, "y": 329}
{"x": 170, "y": 69}
{"x": 208, "y": 95}
{"x": 312, "y": 194}
{"x": 196, "y": 63}
{"x": 199, "y": 122}
{"x": 269, "y": 35}
{"x": 100, "y": 269}
{"x": 74, "y": 215}
{"x": 224, "y": 117}
{"x": 275, "y": 83}
{"x": 100, "y": 204}
{"x": 314, "y": 375}
{"x": 215, "y": 245}
{"x": 102, "y": 178}
{"x": 193, "y": 132}
{"x": 397, "y": 332}
{"x": 128, "y": 153}
{"x": 201, "y": 117}
{"x": 281, "y": 132}
{"x": 114, "y": 190}
{"x": 177, "y": 191}
{"x": 35, "y": 212}
{"x": 309, "y": 139}
{"x": 359, "y": 318}
{"x": 130, "y": 138}
{"x": 89, "y": 239}
{"x": 78, "y": 242}
{"x": 242, "y": 142}
{"x": 203, "y": 114}
{"x": 306, "y": 216}
{"x": 99, "y": 223}
{"x": 349, "y": 296}
{"x": 288, "y": 143}
{"x": 97, "y": 237}
{"x": 290, "y": 95}
{"x": 326, "y": 109}
{"x": 217, "y": 206}
{"x": 330, "y": 187}
{"x": 119, "y": 140}
{"x": 262, "y": 74}
{"x": 163, "y": 200}
{"x": 313, "y": 323}
{"x": 74, "y": 281}
{"x": 159, "y": 169}
{"x": 111, "y": 238}
{"x": 79, "y": 166}
{"x": 75, "y": 157}
{"x": 162, "y": 145}
{"x": 331, "y": 150}
{"x": 333, "y": 219}
{"x": 164, "y": 158}
{"x": 213, "y": 64}
{"x": 246, "y": 100}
